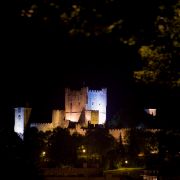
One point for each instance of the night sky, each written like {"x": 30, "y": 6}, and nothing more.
{"x": 37, "y": 65}
{"x": 40, "y": 79}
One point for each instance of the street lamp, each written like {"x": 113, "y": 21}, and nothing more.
{"x": 43, "y": 153}
{"x": 84, "y": 150}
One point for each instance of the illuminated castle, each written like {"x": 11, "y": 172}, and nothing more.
{"x": 82, "y": 106}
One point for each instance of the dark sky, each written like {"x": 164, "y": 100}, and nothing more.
{"x": 39, "y": 76}
{"x": 37, "y": 66}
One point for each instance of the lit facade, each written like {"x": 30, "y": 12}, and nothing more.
{"x": 84, "y": 101}
{"x": 151, "y": 111}
{"x": 21, "y": 119}
{"x": 75, "y": 103}
{"x": 57, "y": 121}
{"x": 97, "y": 100}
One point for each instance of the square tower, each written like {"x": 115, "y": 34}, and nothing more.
{"x": 75, "y": 103}
{"x": 21, "y": 119}
{"x": 97, "y": 100}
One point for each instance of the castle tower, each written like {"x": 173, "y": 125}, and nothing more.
{"x": 151, "y": 111}
{"x": 75, "y": 102}
{"x": 21, "y": 119}
{"x": 58, "y": 119}
{"x": 94, "y": 103}
{"x": 97, "y": 100}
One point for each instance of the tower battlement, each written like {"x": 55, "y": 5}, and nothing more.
{"x": 103, "y": 90}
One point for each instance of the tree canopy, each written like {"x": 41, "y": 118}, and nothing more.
{"x": 160, "y": 55}
{"x": 151, "y": 27}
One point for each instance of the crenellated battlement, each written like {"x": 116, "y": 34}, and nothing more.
{"x": 153, "y": 130}
{"x": 78, "y": 130}
{"x": 39, "y": 124}
{"x": 103, "y": 91}
{"x": 69, "y": 91}
{"x": 117, "y": 133}
{"x": 43, "y": 126}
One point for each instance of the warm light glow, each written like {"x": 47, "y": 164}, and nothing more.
{"x": 43, "y": 153}
{"x": 94, "y": 117}
{"x": 126, "y": 162}
{"x": 151, "y": 111}
{"x": 154, "y": 152}
{"x": 73, "y": 116}
{"x": 141, "y": 154}
{"x": 83, "y": 150}
{"x": 148, "y": 177}
{"x": 75, "y": 101}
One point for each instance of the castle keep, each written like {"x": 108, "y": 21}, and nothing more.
{"x": 86, "y": 105}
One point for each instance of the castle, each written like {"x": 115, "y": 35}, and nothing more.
{"x": 82, "y": 106}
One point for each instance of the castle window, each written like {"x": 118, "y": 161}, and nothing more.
{"x": 19, "y": 110}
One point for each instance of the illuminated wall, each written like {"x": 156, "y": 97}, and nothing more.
{"x": 88, "y": 115}
{"x": 43, "y": 126}
{"x": 97, "y": 100}
{"x": 21, "y": 119}
{"x": 84, "y": 99}
{"x": 120, "y": 133}
{"x": 151, "y": 111}
{"x": 57, "y": 121}
{"x": 94, "y": 117}
{"x": 75, "y": 102}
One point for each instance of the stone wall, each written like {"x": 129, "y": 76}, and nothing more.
{"x": 78, "y": 130}
{"x": 97, "y": 100}
{"x": 75, "y": 102}
{"x": 58, "y": 119}
{"x": 117, "y": 133}
{"x": 43, "y": 126}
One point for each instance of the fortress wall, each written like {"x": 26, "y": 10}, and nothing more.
{"x": 78, "y": 130}
{"x": 117, "y": 133}
{"x": 58, "y": 118}
{"x": 43, "y": 126}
